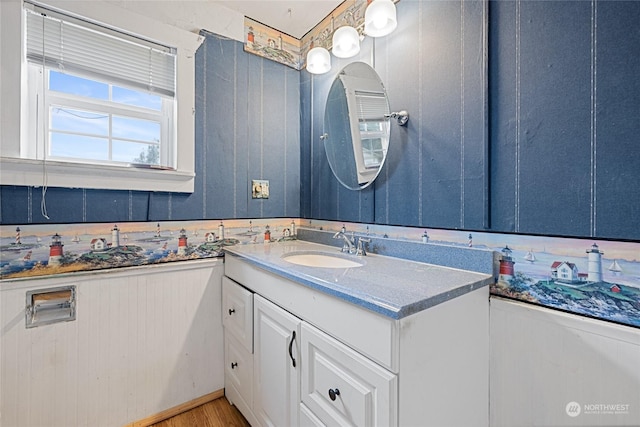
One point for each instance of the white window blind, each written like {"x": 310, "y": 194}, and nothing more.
{"x": 371, "y": 105}
{"x": 66, "y": 43}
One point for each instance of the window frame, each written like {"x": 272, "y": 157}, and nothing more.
{"x": 38, "y": 89}
{"x": 17, "y": 170}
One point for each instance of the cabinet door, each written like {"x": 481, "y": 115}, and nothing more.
{"x": 342, "y": 387}
{"x": 276, "y": 365}
{"x": 237, "y": 312}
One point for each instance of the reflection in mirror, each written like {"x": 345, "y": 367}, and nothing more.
{"x": 356, "y": 124}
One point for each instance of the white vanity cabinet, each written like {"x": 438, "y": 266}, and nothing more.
{"x": 354, "y": 366}
{"x": 340, "y": 386}
{"x": 288, "y": 354}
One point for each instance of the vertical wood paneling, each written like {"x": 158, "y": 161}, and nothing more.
{"x": 562, "y": 123}
{"x": 474, "y": 162}
{"x": 306, "y": 174}
{"x": 502, "y": 77}
{"x": 563, "y": 109}
{"x": 432, "y": 66}
{"x": 140, "y": 344}
{"x": 325, "y": 196}
{"x": 554, "y": 131}
{"x": 253, "y": 116}
{"x": 293, "y": 146}
{"x": 441, "y": 115}
{"x": 403, "y": 168}
{"x": 274, "y": 137}
{"x": 617, "y": 115}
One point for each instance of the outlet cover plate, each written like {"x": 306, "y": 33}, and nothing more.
{"x": 260, "y": 189}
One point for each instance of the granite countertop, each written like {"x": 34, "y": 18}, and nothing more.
{"x": 393, "y": 287}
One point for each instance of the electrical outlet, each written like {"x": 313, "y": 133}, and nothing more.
{"x": 259, "y": 189}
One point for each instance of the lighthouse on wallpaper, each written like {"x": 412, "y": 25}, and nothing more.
{"x": 506, "y": 265}
{"x": 55, "y": 250}
{"x": 595, "y": 264}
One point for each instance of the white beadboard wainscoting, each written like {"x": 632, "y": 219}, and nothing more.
{"x": 543, "y": 360}
{"x": 145, "y": 339}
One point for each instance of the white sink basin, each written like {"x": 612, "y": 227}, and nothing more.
{"x": 321, "y": 259}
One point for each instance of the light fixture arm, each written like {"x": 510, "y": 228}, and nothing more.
{"x": 402, "y": 117}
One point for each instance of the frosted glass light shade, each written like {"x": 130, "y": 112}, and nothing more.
{"x": 346, "y": 42}
{"x": 318, "y": 60}
{"x": 380, "y": 18}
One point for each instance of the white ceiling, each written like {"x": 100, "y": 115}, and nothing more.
{"x": 293, "y": 17}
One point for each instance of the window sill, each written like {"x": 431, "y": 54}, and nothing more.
{"x": 14, "y": 171}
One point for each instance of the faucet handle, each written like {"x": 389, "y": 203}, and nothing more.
{"x": 360, "y": 247}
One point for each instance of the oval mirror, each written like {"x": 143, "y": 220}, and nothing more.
{"x": 356, "y": 126}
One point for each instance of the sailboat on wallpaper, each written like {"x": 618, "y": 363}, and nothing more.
{"x": 615, "y": 267}
{"x": 530, "y": 257}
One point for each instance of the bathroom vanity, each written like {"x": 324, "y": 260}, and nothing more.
{"x": 379, "y": 342}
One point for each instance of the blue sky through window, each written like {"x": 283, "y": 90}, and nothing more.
{"x": 79, "y": 146}
{"x": 74, "y": 85}
{"x": 136, "y": 98}
{"x": 81, "y": 133}
{"x": 141, "y": 130}
{"x": 78, "y": 121}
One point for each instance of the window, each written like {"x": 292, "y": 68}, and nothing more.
{"x": 373, "y": 126}
{"x": 100, "y": 96}
{"x": 23, "y": 161}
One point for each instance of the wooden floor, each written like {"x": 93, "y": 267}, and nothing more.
{"x": 217, "y": 413}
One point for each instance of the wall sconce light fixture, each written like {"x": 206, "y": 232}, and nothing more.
{"x": 318, "y": 60}
{"x": 346, "y": 42}
{"x": 380, "y": 18}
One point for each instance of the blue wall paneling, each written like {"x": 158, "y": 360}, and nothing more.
{"x": 433, "y": 66}
{"x": 564, "y": 115}
{"x": 247, "y": 122}
{"x": 616, "y": 176}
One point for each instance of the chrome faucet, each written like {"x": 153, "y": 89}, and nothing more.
{"x": 352, "y": 244}
{"x": 348, "y": 245}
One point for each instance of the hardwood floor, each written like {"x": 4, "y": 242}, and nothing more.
{"x": 217, "y": 413}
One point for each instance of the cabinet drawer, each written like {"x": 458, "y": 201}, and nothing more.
{"x": 238, "y": 369}
{"x": 342, "y": 387}
{"x": 237, "y": 312}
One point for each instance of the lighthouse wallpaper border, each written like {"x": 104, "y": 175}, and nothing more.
{"x": 590, "y": 277}
{"x": 28, "y": 251}
{"x": 599, "y": 279}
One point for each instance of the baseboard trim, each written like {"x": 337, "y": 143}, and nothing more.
{"x": 168, "y": 413}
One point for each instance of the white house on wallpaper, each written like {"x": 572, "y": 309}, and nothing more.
{"x": 475, "y": 281}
